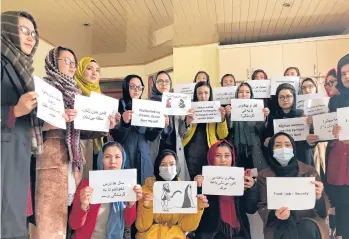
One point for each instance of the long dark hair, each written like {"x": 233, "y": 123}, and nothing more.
{"x": 226, "y": 75}
{"x": 292, "y": 68}
{"x": 259, "y": 71}
{"x": 244, "y": 84}
{"x": 158, "y": 161}
{"x": 204, "y": 72}
{"x": 199, "y": 84}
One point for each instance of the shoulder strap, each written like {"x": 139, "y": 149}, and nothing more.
{"x": 12, "y": 75}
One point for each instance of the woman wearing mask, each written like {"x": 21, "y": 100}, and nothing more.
{"x": 283, "y": 223}
{"x": 226, "y": 218}
{"x": 170, "y": 138}
{"x": 134, "y": 139}
{"x": 228, "y": 80}
{"x": 202, "y": 76}
{"x": 59, "y": 168}
{"x": 107, "y": 220}
{"x": 20, "y": 128}
{"x": 259, "y": 75}
{"x": 286, "y": 108}
{"x": 337, "y": 155}
{"x": 201, "y": 136}
{"x": 169, "y": 226}
{"x": 331, "y": 83}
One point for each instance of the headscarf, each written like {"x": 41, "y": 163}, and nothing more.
{"x": 158, "y": 161}
{"x": 67, "y": 86}
{"x": 86, "y": 88}
{"x": 341, "y": 88}
{"x": 279, "y": 113}
{"x": 156, "y": 95}
{"x": 116, "y": 223}
{"x": 293, "y": 68}
{"x": 259, "y": 71}
{"x": 204, "y": 72}
{"x": 126, "y": 101}
{"x": 331, "y": 72}
{"x": 199, "y": 84}
{"x": 312, "y": 81}
{"x": 226, "y": 203}
{"x": 22, "y": 63}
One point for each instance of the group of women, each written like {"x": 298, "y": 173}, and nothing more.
{"x": 44, "y": 170}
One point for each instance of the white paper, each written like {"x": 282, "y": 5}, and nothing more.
{"x": 300, "y": 99}
{"x": 113, "y": 185}
{"x": 220, "y": 180}
{"x": 185, "y": 89}
{"x": 148, "y": 113}
{"x": 175, "y": 197}
{"x": 50, "y": 103}
{"x": 296, "y": 193}
{"x": 247, "y": 110}
{"x": 206, "y": 112}
{"x": 114, "y": 103}
{"x": 176, "y": 103}
{"x": 276, "y": 81}
{"x": 224, "y": 94}
{"x": 260, "y": 88}
{"x": 316, "y": 106}
{"x": 343, "y": 121}
{"x": 324, "y": 124}
{"x": 296, "y": 127}
{"x": 92, "y": 114}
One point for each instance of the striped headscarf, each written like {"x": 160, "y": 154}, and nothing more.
{"x": 67, "y": 86}
{"x": 22, "y": 63}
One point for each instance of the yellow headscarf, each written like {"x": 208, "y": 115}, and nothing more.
{"x": 86, "y": 88}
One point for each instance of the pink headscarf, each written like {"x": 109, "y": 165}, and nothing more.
{"x": 326, "y": 80}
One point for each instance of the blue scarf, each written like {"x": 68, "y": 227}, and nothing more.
{"x": 116, "y": 222}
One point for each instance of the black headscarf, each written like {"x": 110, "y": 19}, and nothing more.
{"x": 341, "y": 88}
{"x": 156, "y": 95}
{"x": 199, "y": 84}
{"x": 312, "y": 81}
{"x": 204, "y": 72}
{"x": 279, "y": 113}
{"x": 158, "y": 161}
{"x": 126, "y": 101}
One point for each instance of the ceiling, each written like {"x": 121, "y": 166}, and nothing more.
{"x": 129, "y": 32}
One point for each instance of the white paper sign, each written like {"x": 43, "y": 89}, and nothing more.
{"x": 176, "y": 103}
{"x": 113, "y": 185}
{"x": 300, "y": 99}
{"x": 175, "y": 197}
{"x": 316, "y": 106}
{"x": 260, "y": 88}
{"x": 114, "y": 103}
{"x": 224, "y": 94}
{"x": 296, "y": 193}
{"x": 276, "y": 81}
{"x": 185, "y": 89}
{"x": 206, "y": 112}
{"x": 92, "y": 114}
{"x": 148, "y": 113}
{"x": 49, "y": 103}
{"x": 343, "y": 121}
{"x": 296, "y": 127}
{"x": 323, "y": 125}
{"x": 219, "y": 180}
{"x": 247, "y": 110}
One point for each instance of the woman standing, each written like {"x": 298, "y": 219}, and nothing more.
{"x": 228, "y": 80}
{"x": 202, "y": 76}
{"x": 292, "y": 71}
{"x": 259, "y": 75}
{"x": 20, "y": 128}
{"x": 331, "y": 83}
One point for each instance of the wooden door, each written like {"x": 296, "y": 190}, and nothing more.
{"x": 112, "y": 87}
{"x": 267, "y": 58}
{"x": 236, "y": 61}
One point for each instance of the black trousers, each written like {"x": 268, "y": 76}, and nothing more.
{"x": 307, "y": 229}
{"x": 342, "y": 221}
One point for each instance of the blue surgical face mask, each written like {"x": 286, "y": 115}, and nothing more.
{"x": 283, "y": 155}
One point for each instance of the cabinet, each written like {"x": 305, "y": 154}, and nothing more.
{"x": 267, "y": 58}
{"x": 235, "y": 61}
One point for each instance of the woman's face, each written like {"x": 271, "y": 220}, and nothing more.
{"x": 135, "y": 88}
{"x": 308, "y": 87}
{"x": 163, "y": 83}
{"x": 345, "y": 75}
{"x": 168, "y": 161}
{"x": 66, "y": 63}
{"x": 201, "y": 77}
{"x": 282, "y": 141}
{"x": 228, "y": 81}
{"x": 92, "y": 73}
{"x": 112, "y": 158}
{"x": 203, "y": 93}
{"x": 259, "y": 76}
{"x": 330, "y": 85}
{"x": 26, "y": 32}
{"x": 244, "y": 92}
{"x": 223, "y": 157}
{"x": 291, "y": 72}
{"x": 285, "y": 99}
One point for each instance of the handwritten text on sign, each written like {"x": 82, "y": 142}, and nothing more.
{"x": 113, "y": 103}
{"x": 206, "y": 112}
{"x": 260, "y": 88}
{"x": 316, "y": 106}
{"x": 219, "y": 180}
{"x": 148, "y": 113}
{"x": 276, "y": 81}
{"x": 296, "y": 127}
{"x": 50, "y": 103}
{"x": 300, "y": 99}
{"x": 247, "y": 110}
{"x": 343, "y": 121}
{"x": 224, "y": 94}
{"x": 185, "y": 89}
{"x": 296, "y": 193}
{"x": 113, "y": 185}
{"x": 176, "y": 103}
{"x": 324, "y": 124}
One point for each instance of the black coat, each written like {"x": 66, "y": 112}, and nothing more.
{"x": 210, "y": 220}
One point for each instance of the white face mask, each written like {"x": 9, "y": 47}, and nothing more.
{"x": 168, "y": 173}
{"x": 283, "y": 155}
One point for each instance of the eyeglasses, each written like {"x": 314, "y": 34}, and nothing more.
{"x": 310, "y": 87}
{"x": 136, "y": 87}
{"x": 287, "y": 97}
{"x": 330, "y": 83}
{"x": 26, "y": 31}
{"x": 163, "y": 82}
{"x": 68, "y": 61}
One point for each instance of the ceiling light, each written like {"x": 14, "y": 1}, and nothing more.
{"x": 287, "y": 4}
{"x": 86, "y": 24}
